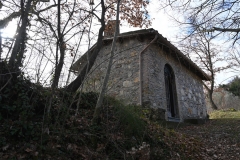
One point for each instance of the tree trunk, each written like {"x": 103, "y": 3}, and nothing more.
{"x": 0, "y": 44}
{"x": 69, "y": 73}
{"x": 74, "y": 85}
{"x": 106, "y": 78}
{"x": 210, "y": 91}
{"x": 59, "y": 66}
{"x": 61, "y": 46}
{"x": 18, "y": 50}
{"x": 213, "y": 105}
{"x": 210, "y": 97}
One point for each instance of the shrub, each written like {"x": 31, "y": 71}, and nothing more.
{"x": 130, "y": 118}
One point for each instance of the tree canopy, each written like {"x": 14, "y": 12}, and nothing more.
{"x": 233, "y": 86}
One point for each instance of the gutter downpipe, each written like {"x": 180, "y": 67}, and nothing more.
{"x": 140, "y": 66}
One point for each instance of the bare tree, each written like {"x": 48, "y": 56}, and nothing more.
{"x": 73, "y": 86}
{"x": 18, "y": 50}
{"x": 0, "y": 44}
{"x": 201, "y": 47}
{"x": 202, "y": 22}
{"x": 134, "y": 12}
{"x": 107, "y": 74}
{"x": 220, "y": 17}
{"x": 233, "y": 58}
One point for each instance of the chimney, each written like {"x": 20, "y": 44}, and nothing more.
{"x": 110, "y": 28}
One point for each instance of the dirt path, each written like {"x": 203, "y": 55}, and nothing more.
{"x": 221, "y": 138}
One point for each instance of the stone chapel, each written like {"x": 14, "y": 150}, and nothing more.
{"x": 148, "y": 70}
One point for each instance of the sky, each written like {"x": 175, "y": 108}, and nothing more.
{"x": 161, "y": 22}
{"x": 9, "y": 31}
{"x": 165, "y": 25}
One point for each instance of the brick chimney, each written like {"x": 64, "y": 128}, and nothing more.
{"x": 110, "y": 28}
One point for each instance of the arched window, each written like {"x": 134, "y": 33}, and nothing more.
{"x": 171, "y": 94}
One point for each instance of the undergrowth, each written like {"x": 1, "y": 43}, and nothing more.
{"x": 124, "y": 131}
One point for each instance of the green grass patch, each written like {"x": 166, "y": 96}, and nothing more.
{"x": 225, "y": 114}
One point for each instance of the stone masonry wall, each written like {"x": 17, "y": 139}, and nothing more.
{"x": 189, "y": 87}
{"x": 124, "y": 78}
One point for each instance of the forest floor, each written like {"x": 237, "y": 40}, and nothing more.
{"x": 123, "y": 131}
{"x": 220, "y": 136}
